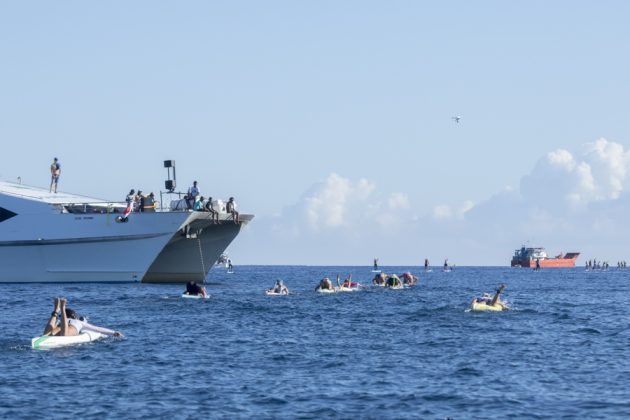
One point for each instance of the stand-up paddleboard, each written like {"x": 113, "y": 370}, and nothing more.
{"x": 428, "y": 271}
{"x": 272, "y": 293}
{"x": 56, "y": 341}
{"x": 187, "y": 296}
{"x": 326, "y": 291}
{"x": 230, "y": 272}
{"x": 377, "y": 271}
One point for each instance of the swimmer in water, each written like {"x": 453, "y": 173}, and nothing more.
{"x": 66, "y": 322}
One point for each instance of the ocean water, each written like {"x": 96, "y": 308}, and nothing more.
{"x": 562, "y": 352}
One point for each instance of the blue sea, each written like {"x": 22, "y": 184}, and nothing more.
{"x": 562, "y": 352}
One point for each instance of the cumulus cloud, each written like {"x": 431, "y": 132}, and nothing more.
{"x": 562, "y": 181}
{"x": 570, "y": 201}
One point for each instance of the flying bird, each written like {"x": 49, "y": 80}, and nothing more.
{"x": 456, "y": 119}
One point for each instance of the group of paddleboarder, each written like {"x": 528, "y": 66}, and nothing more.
{"x": 66, "y": 322}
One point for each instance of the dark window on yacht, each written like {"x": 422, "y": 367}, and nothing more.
{"x": 6, "y": 214}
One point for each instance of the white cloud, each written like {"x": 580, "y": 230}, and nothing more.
{"x": 569, "y": 202}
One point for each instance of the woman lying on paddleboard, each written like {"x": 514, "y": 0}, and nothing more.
{"x": 494, "y": 301}
{"x": 70, "y": 323}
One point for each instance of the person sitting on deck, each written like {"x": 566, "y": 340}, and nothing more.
{"x": 231, "y": 208}
{"x": 193, "y": 289}
{"x": 70, "y": 322}
{"x": 198, "y": 205}
{"x": 214, "y": 215}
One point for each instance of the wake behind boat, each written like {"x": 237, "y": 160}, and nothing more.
{"x": 57, "y": 237}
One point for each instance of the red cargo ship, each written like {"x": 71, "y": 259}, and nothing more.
{"x": 527, "y": 257}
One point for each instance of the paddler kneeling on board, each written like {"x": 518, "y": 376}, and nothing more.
{"x": 279, "y": 288}
{"x": 70, "y": 323}
{"x": 193, "y": 289}
{"x": 491, "y": 301}
{"x": 325, "y": 284}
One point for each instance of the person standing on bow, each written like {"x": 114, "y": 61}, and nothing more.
{"x": 55, "y": 172}
{"x": 191, "y": 197}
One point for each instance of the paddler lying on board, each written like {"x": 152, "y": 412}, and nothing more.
{"x": 279, "y": 288}
{"x": 379, "y": 279}
{"x": 393, "y": 281}
{"x": 491, "y": 301}
{"x": 409, "y": 279}
{"x": 193, "y": 289}
{"x": 325, "y": 283}
{"x": 347, "y": 283}
{"x": 70, "y": 323}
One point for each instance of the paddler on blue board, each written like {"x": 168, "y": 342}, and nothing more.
{"x": 193, "y": 289}
{"x": 66, "y": 322}
{"x": 491, "y": 301}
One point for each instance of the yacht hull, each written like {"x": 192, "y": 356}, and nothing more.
{"x": 191, "y": 253}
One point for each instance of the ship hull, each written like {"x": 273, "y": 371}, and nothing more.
{"x": 94, "y": 248}
{"x": 546, "y": 263}
{"x": 192, "y": 252}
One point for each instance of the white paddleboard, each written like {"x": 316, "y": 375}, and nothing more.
{"x": 187, "y": 296}
{"x": 272, "y": 293}
{"x": 326, "y": 291}
{"x": 377, "y": 271}
{"x": 348, "y": 289}
{"x": 56, "y": 341}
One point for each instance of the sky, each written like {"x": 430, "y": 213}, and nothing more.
{"x": 332, "y": 121}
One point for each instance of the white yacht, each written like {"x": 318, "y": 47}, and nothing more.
{"x": 48, "y": 237}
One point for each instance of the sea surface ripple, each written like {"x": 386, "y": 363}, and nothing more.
{"x": 563, "y": 351}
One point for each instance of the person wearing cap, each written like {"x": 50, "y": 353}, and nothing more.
{"x": 279, "y": 288}
{"x": 231, "y": 209}
{"x": 55, "y": 172}
{"x": 65, "y": 321}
